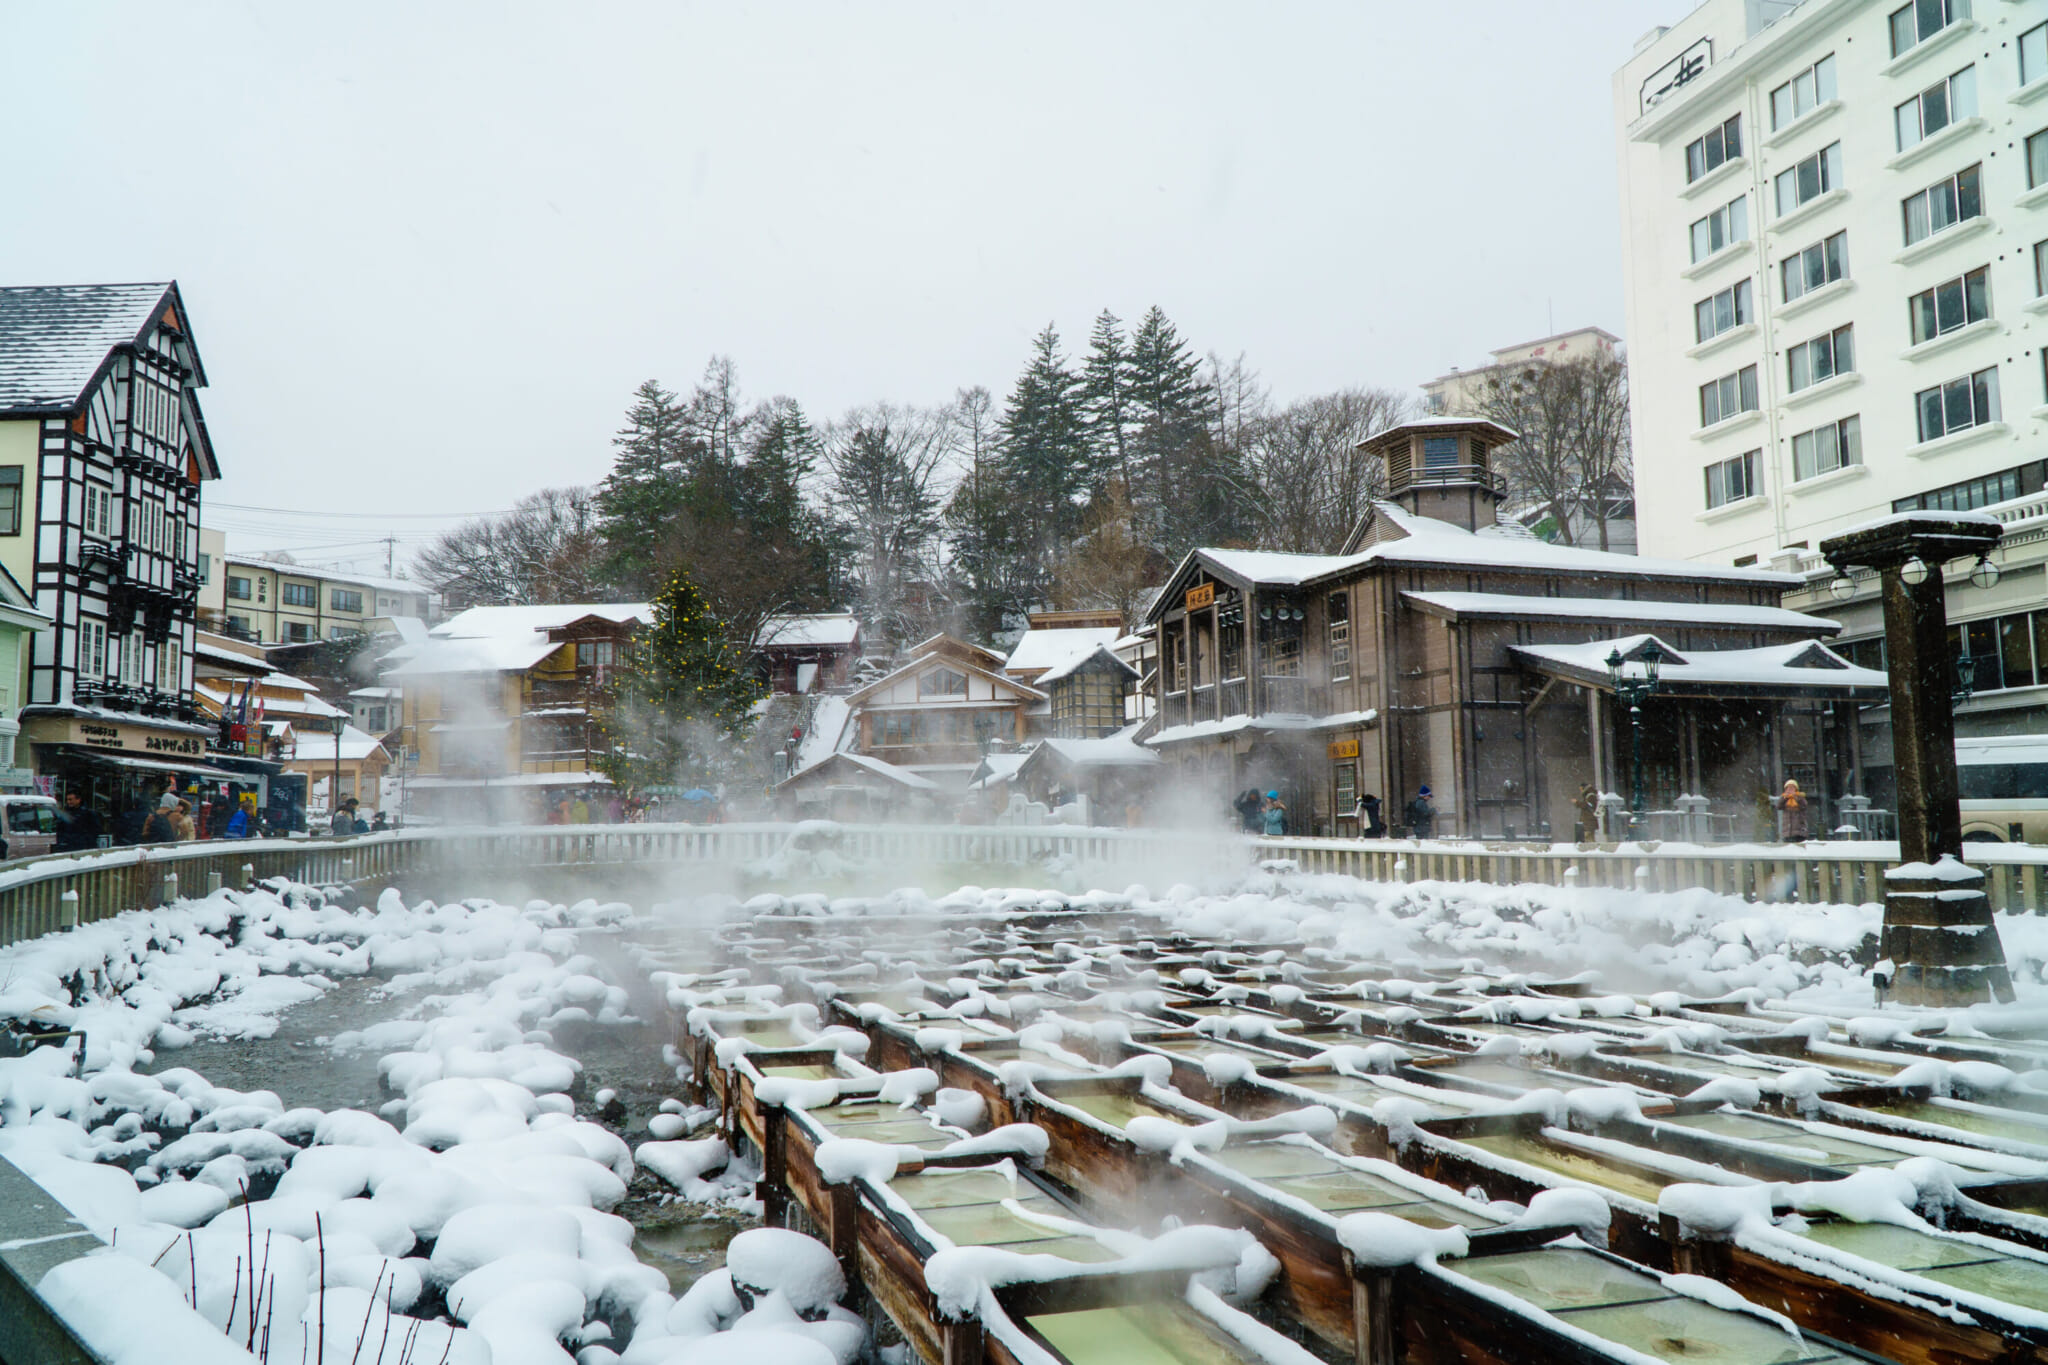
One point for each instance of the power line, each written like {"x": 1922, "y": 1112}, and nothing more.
{"x": 364, "y": 516}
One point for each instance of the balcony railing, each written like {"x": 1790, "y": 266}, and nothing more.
{"x": 1234, "y": 692}
{"x": 1451, "y": 473}
{"x": 1174, "y": 710}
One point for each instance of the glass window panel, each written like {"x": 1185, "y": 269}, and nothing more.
{"x": 1917, "y": 222}
{"x": 1969, "y": 193}
{"x": 1824, "y": 80}
{"x": 1781, "y": 106}
{"x": 1845, "y": 350}
{"x": 1852, "y": 440}
{"x": 1738, "y": 220}
{"x": 1906, "y": 124}
{"x": 2034, "y": 54}
{"x": 1809, "y": 179}
{"x": 1748, "y": 383}
{"x": 1962, "y": 94}
{"x": 1977, "y": 288}
{"x": 2037, "y": 159}
{"x": 1948, "y": 306}
{"x": 1933, "y": 111}
{"x": 1928, "y": 17}
{"x": 1955, "y": 401}
{"x": 1902, "y": 30}
{"x": 1984, "y": 394}
{"x": 1930, "y": 414}
{"x": 1801, "y": 371}
{"x": 2016, "y": 647}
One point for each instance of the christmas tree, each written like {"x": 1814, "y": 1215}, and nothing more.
{"x": 682, "y": 702}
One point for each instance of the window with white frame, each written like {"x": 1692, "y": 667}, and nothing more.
{"x": 2041, "y": 272}
{"x": 1724, "y": 312}
{"x": 1945, "y": 409}
{"x": 2037, "y": 160}
{"x": 1804, "y": 93}
{"x": 1810, "y": 179}
{"x": 2033, "y": 47}
{"x": 99, "y": 511}
{"x": 300, "y": 595}
{"x": 10, "y": 500}
{"x": 345, "y": 599}
{"x": 1827, "y": 448}
{"x": 1806, "y": 270}
{"x": 1950, "y": 305}
{"x": 1721, "y": 229}
{"x": 1950, "y": 200}
{"x": 1719, "y": 144}
{"x": 1913, "y": 24}
{"x": 167, "y": 667}
{"x": 92, "y": 649}
{"x": 1733, "y": 480}
{"x": 1728, "y": 396}
{"x": 131, "y": 659}
{"x": 1824, "y": 357}
{"x": 1935, "y": 108}
{"x": 1337, "y": 611}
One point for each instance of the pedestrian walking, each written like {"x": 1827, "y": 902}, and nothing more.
{"x": 1250, "y": 808}
{"x": 1370, "y": 823}
{"x": 1792, "y": 813}
{"x": 1588, "y": 804}
{"x": 78, "y": 825}
{"x": 158, "y": 829}
{"x": 1274, "y": 815}
{"x": 1421, "y": 814}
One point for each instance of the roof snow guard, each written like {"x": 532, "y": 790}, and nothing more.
{"x": 1800, "y": 669}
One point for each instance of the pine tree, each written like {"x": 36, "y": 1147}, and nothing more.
{"x": 684, "y": 703}
{"x": 1172, "y": 445}
{"x": 1106, "y": 396}
{"x": 1046, "y": 460}
{"x": 647, "y": 486}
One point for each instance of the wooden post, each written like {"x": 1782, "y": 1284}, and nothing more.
{"x": 773, "y": 1190}
{"x": 1372, "y": 1313}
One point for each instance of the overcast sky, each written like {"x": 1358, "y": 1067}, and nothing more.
{"x": 430, "y": 249}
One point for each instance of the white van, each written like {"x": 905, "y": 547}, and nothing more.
{"x": 30, "y": 824}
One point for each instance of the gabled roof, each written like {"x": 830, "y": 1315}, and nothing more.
{"x": 792, "y": 632}
{"x": 316, "y": 746}
{"x": 517, "y": 623}
{"x": 943, "y": 643}
{"x": 1051, "y": 647}
{"x": 862, "y": 763}
{"x": 1022, "y": 689}
{"x": 1803, "y": 668}
{"x": 1098, "y": 657}
{"x": 56, "y": 340}
{"x": 1119, "y": 750}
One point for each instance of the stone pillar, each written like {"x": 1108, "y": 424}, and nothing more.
{"x": 1939, "y": 935}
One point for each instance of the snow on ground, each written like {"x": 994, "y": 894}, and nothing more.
{"x": 477, "y": 1190}
{"x": 474, "y": 1209}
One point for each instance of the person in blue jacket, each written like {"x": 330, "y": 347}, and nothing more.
{"x": 1275, "y": 814}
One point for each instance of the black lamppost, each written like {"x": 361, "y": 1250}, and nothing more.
{"x": 984, "y": 731}
{"x": 334, "y": 792}
{"x": 1632, "y": 692}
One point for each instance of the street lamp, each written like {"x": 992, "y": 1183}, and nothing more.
{"x": 1632, "y": 692}
{"x": 984, "y": 731}
{"x": 334, "y": 792}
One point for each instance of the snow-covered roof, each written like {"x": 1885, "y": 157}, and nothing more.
{"x": 305, "y": 704}
{"x": 1485, "y": 604}
{"x": 1055, "y": 647}
{"x": 244, "y": 662}
{"x": 378, "y": 693}
{"x": 1506, "y": 433}
{"x": 996, "y": 768}
{"x": 1275, "y": 720}
{"x": 1277, "y": 566}
{"x": 315, "y": 746}
{"x": 473, "y": 655}
{"x": 54, "y": 338}
{"x": 520, "y": 622}
{"x": 826, "y": 733}
{"x": 1800, "y": 667}
{"x": 410, "y": 629}
{"x": 1078, "y": 661}
{"x": 901, "y": 776}
{"x": 834, "y": 628}
{"x": 1107, "y": 751}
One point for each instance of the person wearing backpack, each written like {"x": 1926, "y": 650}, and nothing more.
{"x": 161, "y": 827}
{"x": 1421, "y": 814}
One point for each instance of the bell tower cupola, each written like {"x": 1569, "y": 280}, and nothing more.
{"x": 1442, "y": 467}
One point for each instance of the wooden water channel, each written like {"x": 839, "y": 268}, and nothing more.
{"x": 1261, "y": 1088}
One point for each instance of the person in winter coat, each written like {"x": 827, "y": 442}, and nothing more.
{"x": 242, "y": 824}
{"x": 78, "y": 825}
{"x": 1588, "y": 804}
{"x": 181, "y": 822}
{"x": 1792, "y": 813}
{"x": 1421, "y": 814}
{"x": 1274, "y": 816}
{"x": 1370, "y": 825}
{"x": 159, "y": 828}
{"x": 344, "y": 821}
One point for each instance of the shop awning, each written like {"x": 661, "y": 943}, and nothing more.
{"x": 155, "y": 765}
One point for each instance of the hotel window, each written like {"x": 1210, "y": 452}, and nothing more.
{"x": 1824, "y": 449}
{"x": 341, "y": 599}
{"x": 1971, "y": 494}
{"x": 1914, "y": 24}
{"x": 2037, "y": 160}
{"x": 2034, "y": 54}
{"x": 1346, "y": 775}
{"x": 1971, "y": 401}
{"x": 10, "y": 500}
{"x": 1724, "y": 312}
{"x": 205, "y": 568}
{"x": 1804, "y": 93}
{"x": 298, "y": 632}
{"x": 1810, "y": 179}
{"x": 1721, "y": 229}
{"x": 1338, "y": 609}
{"x": 167, "y": 661}
{"x": 1936, "y": 107}
{"x": 1822, "y": 263}
{"x": 238, "y": 588}
{"x": 300, "y": 595}
{"x": 1824, "y": 357}
{"x": 1721, "y": 143}
{"x": 1733, "y": 480}
{"x": 1948, "y": 201}
{"x": 92, "y": 649}
{"x": 1727, "y": 396}
{"x": 1950, "y": 305}
{"x": 942, "y": 682}
{"x": 131, "y": 659}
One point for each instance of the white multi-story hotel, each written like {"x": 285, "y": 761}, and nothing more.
{"x": 1835, "y": 238}
{"x": 1835, "y": 245}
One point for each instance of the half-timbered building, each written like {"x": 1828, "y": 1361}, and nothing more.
{"x": 103, "y": 456}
